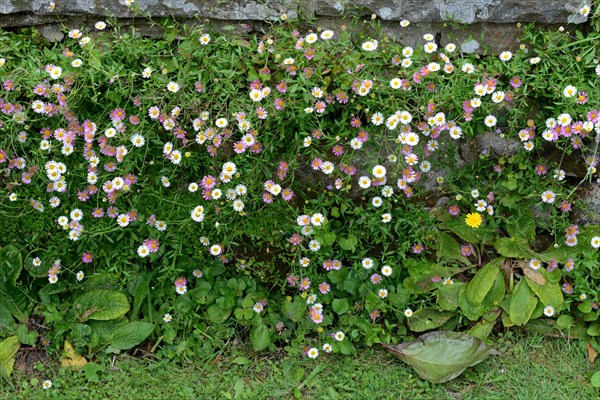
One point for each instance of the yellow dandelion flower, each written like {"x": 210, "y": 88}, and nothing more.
{"x": 473, "y": 220}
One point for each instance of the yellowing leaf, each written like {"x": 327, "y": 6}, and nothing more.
{"x": 8, "y": 351}
{"x": 71, "y": 358}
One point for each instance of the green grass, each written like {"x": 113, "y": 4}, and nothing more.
{"x": 529, "y": 367}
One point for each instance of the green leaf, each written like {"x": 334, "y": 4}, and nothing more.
{"x": 441, "y": 356}
{"x": 482, "y": 330}
{"x": 26, "y": 336}
{"x": 338, "y": 276}
{"x": 6, "y": 319}
{"x": 522, "y": 225}
{"x": 217, "y": 314}
{"x": 496, "y": 294}
{"x": 549, "y": 293}
{"x": 513, "y": 247}
{"x": 138, "y": 286}
{"x": 483, "y": 281}
{"x": 294, "y": 310}
{"x": 239, "y": 360}
{"x": 345, "y": 347}
{"x": 463, "y": 231}
{"x": 595, "y": 380}
{"x": 473, "y": 313}
{"x": 11, "y": 264}
{"x": 594, "y": 330}
{"x": 260, "y": 337}
{"x": 340, "y": 306}
{"x": 447, "y": 296}
{"x": 349, "y": 243}
{"x": 428, "y": 318}
{"x": 564, "y": 322}
{"x": 522, "y": 303}
{"x": 102, "y": 305}
{"x": 448, "y": 248}
{"x": 400, "y": 297}
{"x": 8, "y": 351}
{"x": 130, "y": 335}
{"x": 91, "y": 371}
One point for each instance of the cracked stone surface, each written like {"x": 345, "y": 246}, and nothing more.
{"x": 497, "y": 19}
{"x": 462, "y": 11}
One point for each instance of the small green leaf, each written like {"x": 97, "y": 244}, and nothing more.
{"x": 241, "y": 360}
{"x": 217, "y": 314}
{"x": 260, "y": 337}
{"x": 595, "y": 380}
{"x": 564, "y": 322}
{"x": 594, "y": 330}
{"x": 349, "y": 243}
{"x": 294, "y": 310}
{"x": 585, "y": 307}
{"x": 26, "y": 336}
{"x": 448, "y": 248}
{"x": 340, "y": 306}
{"x": 11, "y": 264}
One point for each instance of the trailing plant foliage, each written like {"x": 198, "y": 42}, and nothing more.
{"x": 306, "y": 189}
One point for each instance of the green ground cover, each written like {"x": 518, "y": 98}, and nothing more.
{"x": 528, "y": 367}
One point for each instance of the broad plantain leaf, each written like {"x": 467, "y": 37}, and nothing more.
{"x": 549, "y": 293}
{"x": 131, "y": 334}
{"x": 522, "y": 303}
{"x": 441, "y": 356}
{"x": 513, "y": 247}
{"x": 473, "y": 313}
{"x": 447, "y": 296}
{"x": 428, "y": 318}
{"x": 102, "y": 305}
{"x": 483, "y": 281}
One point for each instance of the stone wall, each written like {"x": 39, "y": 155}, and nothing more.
{"x": 497, "y": 18}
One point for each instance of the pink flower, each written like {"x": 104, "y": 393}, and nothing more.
{"x": 180, "y": 282}
{"x": 324, "y": 288}
{"x": 287, "y": 194}
{"x": 296, "y": 239}
{"x": 466, "y": 250}
{"x": 87, "y": 258}
{"x": 417, "y": 248}
{"x": 338, "y": 150}
{"x": 454, "y": 210}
